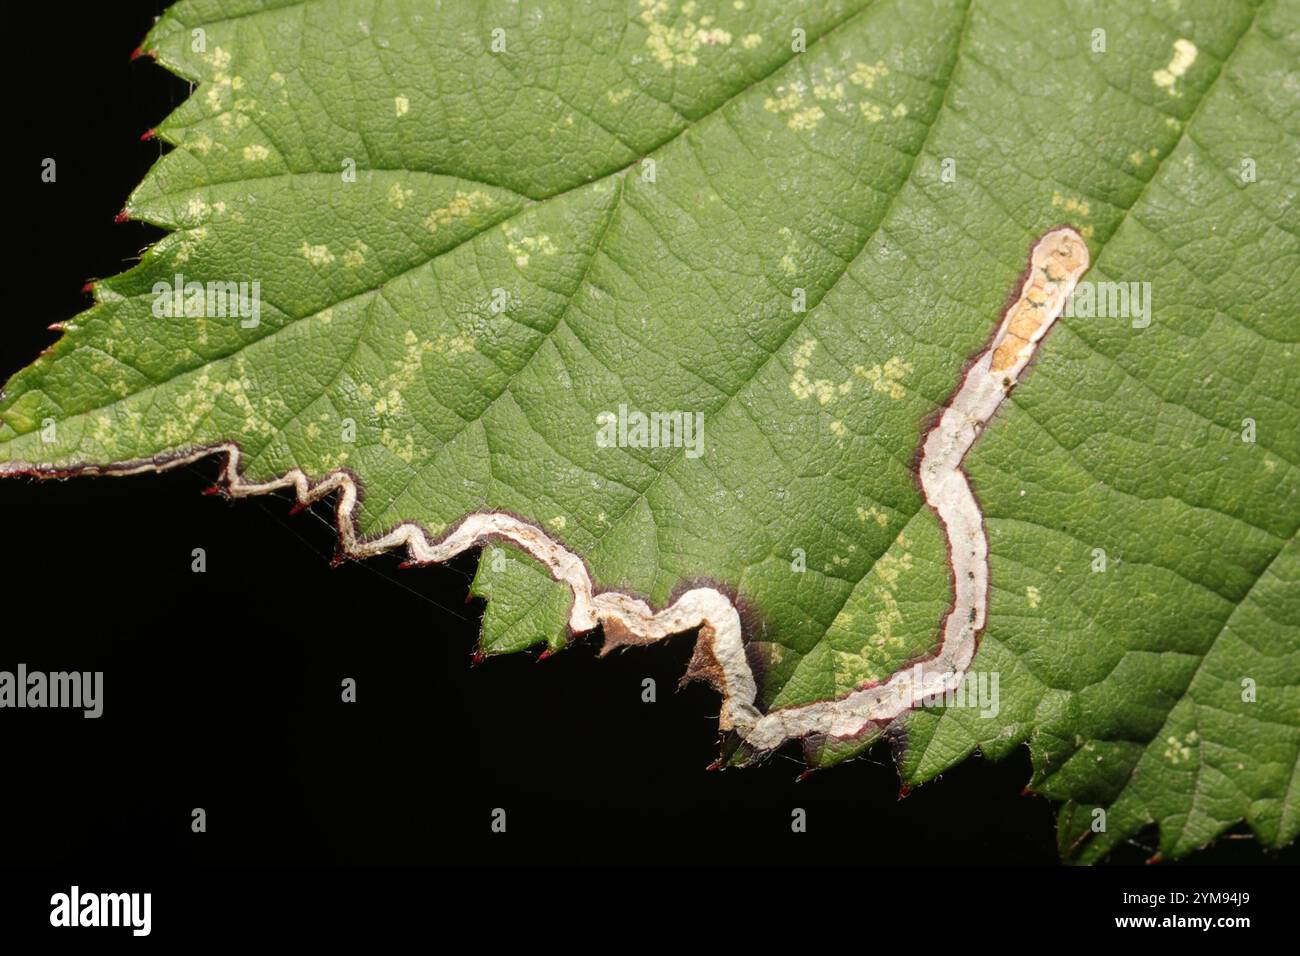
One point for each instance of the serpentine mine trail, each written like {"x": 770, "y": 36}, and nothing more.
{"x": 1056, "y": 262}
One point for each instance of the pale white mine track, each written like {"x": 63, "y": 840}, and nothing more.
{"x": 1056, "y": 262}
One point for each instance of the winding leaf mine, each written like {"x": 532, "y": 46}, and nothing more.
{"x": 1056, "y": 262}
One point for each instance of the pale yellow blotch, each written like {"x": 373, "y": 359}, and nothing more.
{"x": 184, "y": 243}
{"x": 355, "y": 257}
{"x": 397, "y": 382}
{"x": 522, "y": 247}
{"x": 1176, "y": 751}
{"x": 900, "y": 110}
{"x": 750, "y": 40}
{"x": 219, "y": 58}
{"x": 804, "y": 388}
{"x": 256, "y": 152}
{"x": 806, "y": 119}
{"x": 888, "y": 378}
{"x": 401, "y": 105}
{"x": 788, "y": 263}
{"x": 1032, "y": 596}
{"x": 277, "y": 79}
{"x": 317, "y": 255}
{"x": 196, "y": 210}
{"x": 674, "y": 46}
{"x": 827, "y": 91}
{"x": 803, "y": 354}
{"x": 891, "y": 566}
{"x": 449, "y": 346}
{"x": 231, "y": 122}
{"x": 871, "y": 112}
{"x": 785, "y": 101}
{"x": 865, "y": 75}
{"x": 838, "y": 429}
{"x": 398, "y": 195}
{"x": 1070, "y": 204}
{"x": 800, "y": 384}
{"x": 1184, "y": 56}
{"x": 559, "y": 522}
{"x": 1136, "y": 158}
{"x": 618, "y": 96}
{"x": 873, "y": 513}
{"x": 401, "y": 447}
{"x": 460, "y": 207}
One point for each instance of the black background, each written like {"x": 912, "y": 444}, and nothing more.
{"x": 222, "y": 689}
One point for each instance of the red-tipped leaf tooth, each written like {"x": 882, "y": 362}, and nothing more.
{"x": 806, "y": 774}
{"x": 716, "y": 765}
{"x": 477, "y": 658}
{"x": 1155, "y": 858}
{"x": 904, "y": 790}
{"x": 148, "y": 134}
{"x": 122, "y": 216}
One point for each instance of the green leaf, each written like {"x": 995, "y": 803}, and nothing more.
{"x": 477, "y": 228}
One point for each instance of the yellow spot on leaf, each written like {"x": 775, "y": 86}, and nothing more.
{"x": 806, "y": 119}
{"x": 356, "y": 255}
{"x": 1184, "y": 56}
{"x": 865, "y": 76}
{"x": 460, "y": 207}
{"x": 317, "y": 255}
